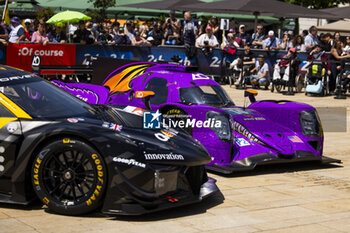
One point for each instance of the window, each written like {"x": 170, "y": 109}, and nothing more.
{"x": 159, "y": 87}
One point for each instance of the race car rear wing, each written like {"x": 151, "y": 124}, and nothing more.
{"x": 40, "y": 69}
{"x": 98, "y": 68}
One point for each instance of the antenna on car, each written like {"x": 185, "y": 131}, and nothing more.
{"x": 251, "y": 94}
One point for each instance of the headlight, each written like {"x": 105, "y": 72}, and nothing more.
{"x": 310, "y": 124}
{"x": 223, "y": 132}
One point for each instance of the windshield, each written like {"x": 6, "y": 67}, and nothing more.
{"x": 206, "y": 94}
{"x": 43, "y": 100}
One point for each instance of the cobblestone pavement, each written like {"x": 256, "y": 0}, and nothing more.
{"x": 288, "y": 198}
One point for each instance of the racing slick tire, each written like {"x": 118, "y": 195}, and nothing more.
{"x": 69, "y": 176}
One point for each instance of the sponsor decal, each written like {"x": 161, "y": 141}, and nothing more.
{"x": 165, "y": 135}
{"x": 132, "y": 162}
{"x": 134, "y": 110}
{"x": 100, "y": 175}
{"x": 72, "y": 120}
{"x": 254, "y": 119}
{"x": 246, "y": 133}
{"x": 66, "y": 140}
{"x": 169, "y": 156}
{"x": 238, "y": 111}
{"x": 112, "y": 126}
{"x": 36, "y": 171}
{"x": 295, "y": 139}
{"x": 242, "y": 142}
{"x": 16, "y": 78}
{"x": 12, "y": 127}
{"x": 152, "y": 120}
{"x": 199, "y": 76}
{"x": 21, "y": 55}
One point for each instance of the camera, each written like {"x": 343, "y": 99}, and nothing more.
{"x": 206, "y": 43}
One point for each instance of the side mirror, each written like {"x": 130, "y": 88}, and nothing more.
{"x": 251, "y": 94}
{"x": 146, "y": 95}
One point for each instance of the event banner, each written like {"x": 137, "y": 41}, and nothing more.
{"x": 20, "y": 56}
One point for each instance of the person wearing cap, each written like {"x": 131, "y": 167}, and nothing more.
{"x": 58, "y": 35}
{"x": 311, "y": 39}
{"x": 258, "y": 37}
{"x": 271, "y": 42}
{"x": 172, "y": 29}
{"x": 262, "y": 74}
{"x": 207, "y": 41}
{"x": 82, "y": 35}
{"x": 128, "y": 30}
{"x": 156, "y": 36}
{"x": 140, "y": 41}
{"x": 18, "y": 33}
{"x": 190, "y": 29}
{"x": 287, "y": 60}
{"x": 28, "y": 30}
{"x": 106, "y": 37}
{"x": 243, "y": 34}
{"x": 40, "y": 35}
{"x": 120, "y": 38}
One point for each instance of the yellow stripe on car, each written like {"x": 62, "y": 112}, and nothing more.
{"x": 4, "y": 121}
{"x": 14, "y": 108}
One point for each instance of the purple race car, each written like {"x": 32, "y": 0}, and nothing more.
{"x": 237, "y": 138}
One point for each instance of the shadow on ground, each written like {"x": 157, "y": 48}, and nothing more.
{"x": 182, "y": 211}
{"x": 280, "y": 168}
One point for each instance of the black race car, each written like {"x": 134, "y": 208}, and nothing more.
{"x": 77, "y": 157}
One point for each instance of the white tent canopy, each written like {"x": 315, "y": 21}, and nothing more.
{"x": 342, "y": 26}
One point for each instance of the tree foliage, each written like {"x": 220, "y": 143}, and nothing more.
{"x": 101, "y": 6}
{"x": 44, "y": 14}
{"x": 318, "y": 4}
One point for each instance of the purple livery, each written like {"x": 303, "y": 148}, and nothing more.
{"x": 265, "y": 132}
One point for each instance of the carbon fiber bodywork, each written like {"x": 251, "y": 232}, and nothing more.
{"x": 137, "y": 184}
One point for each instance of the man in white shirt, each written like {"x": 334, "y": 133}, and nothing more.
{"x": 17, "y": 33}
{"x": 262, "y": 73}
{"x": 207, "y": 41}
{"x": 311, "y": 39}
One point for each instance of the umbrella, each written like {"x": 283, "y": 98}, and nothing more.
{"x": 68, "y": 17}
{"x": 343, "y": 12}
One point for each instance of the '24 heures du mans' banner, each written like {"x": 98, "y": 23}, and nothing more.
{"x": 20, "y": 56}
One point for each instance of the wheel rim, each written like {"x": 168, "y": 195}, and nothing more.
{"x": 69, "y": 177}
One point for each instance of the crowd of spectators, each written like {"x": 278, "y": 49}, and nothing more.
{"x": 173, "y": 31}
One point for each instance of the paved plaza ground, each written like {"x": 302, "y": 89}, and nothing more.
{"x": 289, "y": 198}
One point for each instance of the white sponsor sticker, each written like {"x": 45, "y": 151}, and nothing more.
{"x": 132, "y": 162}
{"x": 12, "y": 127}
{"x": 242, "y": 142}
{"x": 169, "y": 156}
